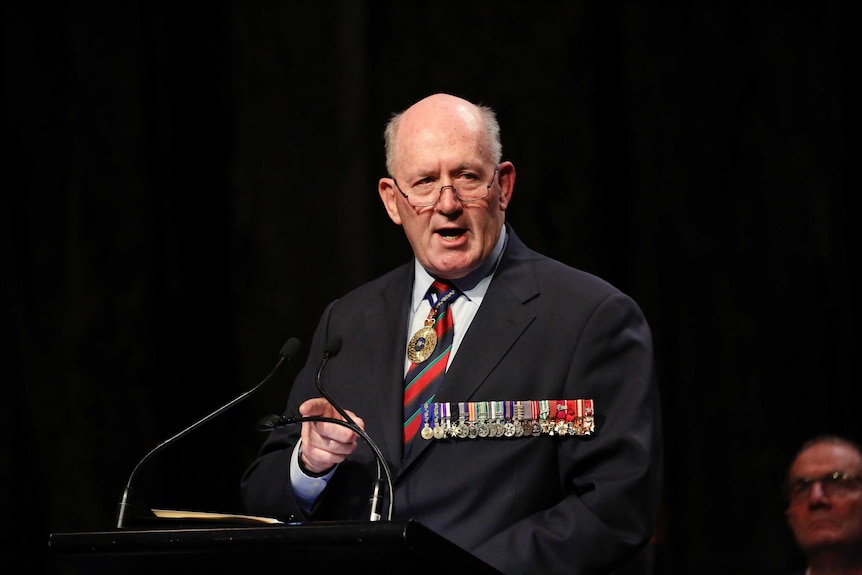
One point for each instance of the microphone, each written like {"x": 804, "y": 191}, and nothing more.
{"x": 330, "y": 350}
{"x": 288, "y": 351}
{"x": 269, "y": 423}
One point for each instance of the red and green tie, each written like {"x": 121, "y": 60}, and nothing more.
{"x": 424, "y": 377}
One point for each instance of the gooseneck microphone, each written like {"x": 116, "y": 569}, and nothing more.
{"x": 288, "y": 351}
{"x": 330, "y": 350}
{"x": 269, "y": 423}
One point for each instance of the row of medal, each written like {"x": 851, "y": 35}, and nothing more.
{"x": 470, "y": 420}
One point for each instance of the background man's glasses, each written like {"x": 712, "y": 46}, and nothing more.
{"x": 835, "y": 484}
{"x": 467, "y": 187}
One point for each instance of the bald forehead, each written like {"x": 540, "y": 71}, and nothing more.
{"x": 827, "y": 456}
{"x": 444, "y": 106}
{"x": 441, "y": 113}
{"x": 443, "y": 122}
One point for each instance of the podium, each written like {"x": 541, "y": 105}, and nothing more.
{"x": 363, "y": 547}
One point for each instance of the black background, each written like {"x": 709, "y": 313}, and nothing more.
{"x": 186, "y": 186}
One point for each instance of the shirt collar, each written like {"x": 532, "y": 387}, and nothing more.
{"x": 472, "y": 285}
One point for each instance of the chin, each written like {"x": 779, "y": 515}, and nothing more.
{"x": 448, "y": 274}
{"x": 453, "y": 270}
{"x": 819, "y": 540}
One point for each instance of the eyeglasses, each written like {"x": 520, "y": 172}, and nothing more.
{"x": 467, "y": 187}
{"x": 835, "y": 484}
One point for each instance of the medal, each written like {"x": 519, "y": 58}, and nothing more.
{"x": 544, "y": 416}
{"x": 446, "y": 427}
{"x": 473, "y": 427}
{"x": 422, "y": 343}
{"x": 511, "y": 419}
{"x": 427, "y": 432}
{"x": 462, "y": 420}
{"x": 519, "y": 419}
{"x": 438, "y": 424}
{"x": 496, "y": 415}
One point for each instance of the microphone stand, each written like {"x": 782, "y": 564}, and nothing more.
{"x": 333, "y": 346}
{"x": 288, "y": 350}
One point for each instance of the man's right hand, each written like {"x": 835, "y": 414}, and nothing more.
{"x": 324, "y": 444}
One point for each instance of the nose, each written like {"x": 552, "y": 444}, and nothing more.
{"x": 449, "y": 202}
{"x": 817, "y": 495}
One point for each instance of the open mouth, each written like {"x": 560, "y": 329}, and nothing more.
{"x": 451, "y": 233}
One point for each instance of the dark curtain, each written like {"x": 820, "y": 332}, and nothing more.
{"x": 187, "y": 186}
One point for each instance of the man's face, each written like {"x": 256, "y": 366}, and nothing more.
{"x": 821, "y": 520}
{"x": 442, "y": 140}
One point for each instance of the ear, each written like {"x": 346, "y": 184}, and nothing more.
{"x": 389, "y": 196}
{"x": 506, "y": 176}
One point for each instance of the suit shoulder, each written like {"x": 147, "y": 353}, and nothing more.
{"x": 392, "y": 280}
{"x": 551, "y": 272}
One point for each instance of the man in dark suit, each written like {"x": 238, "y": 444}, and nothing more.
{"x": 562, "y": 361}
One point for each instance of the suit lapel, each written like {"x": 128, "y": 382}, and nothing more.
{"x": 386, "y": 364}
{"x": 499, "y": 323}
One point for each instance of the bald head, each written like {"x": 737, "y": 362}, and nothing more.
{"x": 436, "y": 110}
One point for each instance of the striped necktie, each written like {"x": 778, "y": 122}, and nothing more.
{"x": 428, "y": 351}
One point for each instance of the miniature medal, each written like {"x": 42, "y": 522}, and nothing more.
{"x": 482, "y": 412}
{"x": 427, "y": 432}
{"x": 438, "y": 423}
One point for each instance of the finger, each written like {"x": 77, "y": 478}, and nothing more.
{"x": 356, "y": 419}
{"x": 333, "y": 432}
{"x": 337, "y": 448}
{"x": 318, "y": 460}
{"x": 320, "y": 452}
{"x": 316, "y": 406}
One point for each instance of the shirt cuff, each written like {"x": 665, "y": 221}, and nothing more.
{"x": 306, "y": 488}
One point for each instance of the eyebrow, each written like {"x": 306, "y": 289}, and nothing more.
{"x": 462, "y": 167}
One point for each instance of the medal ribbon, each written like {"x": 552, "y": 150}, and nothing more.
{"x": 492, "y": 419}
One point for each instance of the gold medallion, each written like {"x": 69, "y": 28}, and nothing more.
{"x": 422, "y": 344}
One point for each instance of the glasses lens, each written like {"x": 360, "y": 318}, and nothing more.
{"x": 799, "y": 489}
{"x": 833, "y": 485}
{"x": 466, "y": 188}
{"x": 469, "y": 195}
{"x": 837, "y": 484}
{"x": 422, "y": 199}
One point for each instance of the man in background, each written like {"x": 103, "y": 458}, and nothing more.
{"x": 825, "y": 505}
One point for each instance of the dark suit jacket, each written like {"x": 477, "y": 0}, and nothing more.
{"x": 524, "y": 505}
